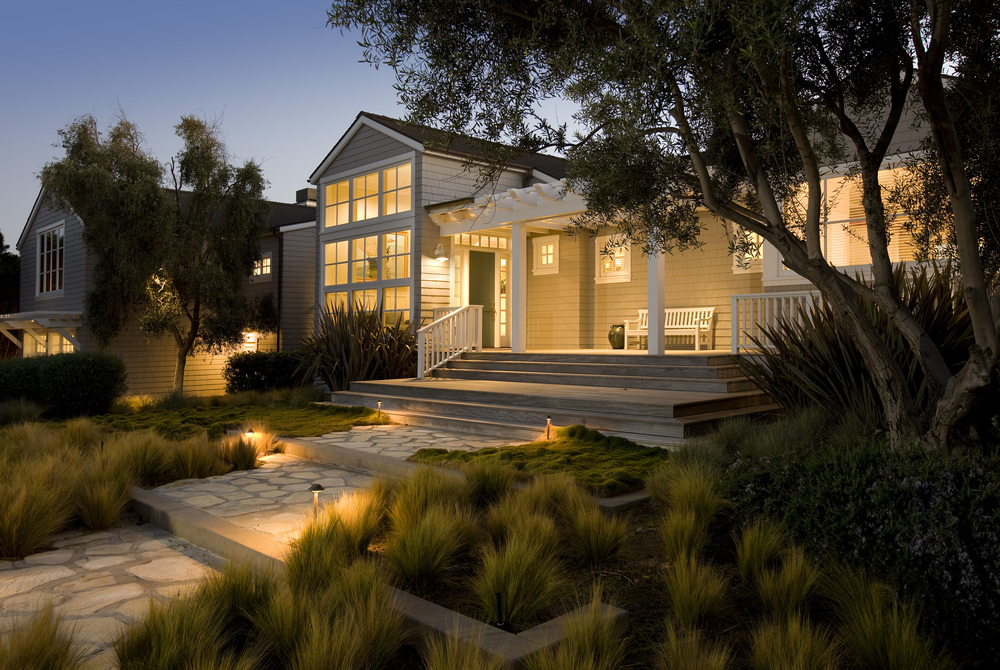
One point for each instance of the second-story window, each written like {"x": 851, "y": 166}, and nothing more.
{"x": 50, "y": 260}
{"x": 368, "y": 196}
{"x": 261, "y": 268}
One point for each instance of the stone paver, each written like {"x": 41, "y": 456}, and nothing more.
{"x": 402, "y": 441}
{"x": 99, "y": 583}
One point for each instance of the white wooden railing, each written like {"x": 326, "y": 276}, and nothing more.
{"x": 448, "y": 337}
{"x": 753, "y": 310}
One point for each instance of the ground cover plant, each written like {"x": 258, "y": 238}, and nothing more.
{"x": 604, "y": 465}
{"x": 292, "y": 413}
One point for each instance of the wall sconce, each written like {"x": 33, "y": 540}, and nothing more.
{"x": 316, "y": 488}
{"x": 440, "y": 253}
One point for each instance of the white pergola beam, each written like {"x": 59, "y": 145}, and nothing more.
{"x": 519, "y": 287}
{"x": 656, "y": 302}
{"x": 7, "y": 334}
{"x": 70, "y": 338}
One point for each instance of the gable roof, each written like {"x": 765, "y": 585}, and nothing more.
{"x": 423, "y": 138}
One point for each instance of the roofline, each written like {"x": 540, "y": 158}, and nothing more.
{"x": 361, "y": 120}
{"x": 31, "y": 218}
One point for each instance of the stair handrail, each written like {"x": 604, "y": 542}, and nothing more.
{"x": 449, "y": 337}
{"x": 753, "y": 310}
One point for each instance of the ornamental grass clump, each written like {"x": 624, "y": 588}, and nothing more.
{"x": 593, "y": 639}
{"x": 786, "y": 589}
{"x": 19, "y": 410}
{"x": 144, "y": 454}
{"x": 197, "y": 457}
{"x": 421, "y": 554}
{"x": 759, "y": 547}
{"x": 595, "y": 535}
{"x": 792, "y": 644}
{"x": 427, "y": 487}
{"x": 36, "y": 500}
{"x": 525, "y": 574}
{"x": 449, "y": 652}
{"x": 83, "y": 434}
{"x": 683, "y": 535}
{"x": 240, "y": 452}
{"x": 487, "y": 481}
{"x": 40, "y": 641}
{"x": 360, "y": 514}
{"x": 264, "y": 438}
{"x": 180, "y": 634}
{"x": 103, "y": 490}
{"x": 691, "y": 650}
{"x": 697, "y": 592}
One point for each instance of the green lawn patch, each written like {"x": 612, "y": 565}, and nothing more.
{"x": 215, "y": 420}
{"x": 605, "y": 465}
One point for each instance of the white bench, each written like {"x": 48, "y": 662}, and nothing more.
{"x": 694, "y": 321}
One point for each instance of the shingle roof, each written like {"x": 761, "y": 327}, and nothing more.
{"x": 286, "y": 214}
{"x": 464, "y": 145}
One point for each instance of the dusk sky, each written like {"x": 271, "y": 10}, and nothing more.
{"x": 283, "y": 84}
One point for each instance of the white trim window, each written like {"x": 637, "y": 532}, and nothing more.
{"x": 51, "y": 245}
{"x": 262, "y": 268}
{"x": 612, "y": 260}
{"x": 367, "y": 196}
{"x": 545, "y": 255}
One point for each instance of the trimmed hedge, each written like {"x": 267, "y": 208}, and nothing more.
{"x": 926, "y": 523}
{"x": 66, "y": 385}
{"x": 261, "y": 371}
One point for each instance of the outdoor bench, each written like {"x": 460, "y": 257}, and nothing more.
{"x": 694, "y": 321}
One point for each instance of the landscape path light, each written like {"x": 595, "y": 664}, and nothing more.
{"x": 548, "y": 427}
{"x": 316, "y": 488}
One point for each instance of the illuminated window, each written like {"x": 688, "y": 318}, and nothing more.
{"x": 364, "y": 200}
{"x": 364, "y": 259}
{"x": 365, "y": 298}
{"x": 336, "y": 262}
{"x": 546, "y": 255}
{"x": 336, "y": 299}
{"x": 50, "y": 259}
{"x": 396, "y": 304}
{"x": 338, "y": 204}
{"x": 482, "y": 241}
{"x": 396, "y": 255}
{"x": 612, "y": 260}
{"x": 359, "y": 198}
{"x": 396, "y": 189}
{"x": 262, "y": 268}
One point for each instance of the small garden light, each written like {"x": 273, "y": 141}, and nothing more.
{"x": 548, "y": 427}
{"x": 379, "y": 410}
{"x": 316, "y": 488}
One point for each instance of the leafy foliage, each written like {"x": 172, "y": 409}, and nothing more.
{"x": 10, "y": 291}
{"x": 357, "y": 345}
{"x": 260, "y": 371}
{"x": 53, "y": 382}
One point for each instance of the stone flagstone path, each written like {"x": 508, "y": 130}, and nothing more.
{"x": 101, "y": 582}
{"x": 402, "y": 441}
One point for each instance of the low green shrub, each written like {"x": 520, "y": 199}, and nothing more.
{"x": 926, "y": 523}
{"x": 66, "y": 385}
{"x": 261, "y": 371}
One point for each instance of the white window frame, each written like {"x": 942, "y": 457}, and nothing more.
{"x": 39, "y": 293}
{"x": 256, "y": 276}
{"x": 537, "y": 268}
{"x": 379, "y": 169}
{"x": 613, "y": 276}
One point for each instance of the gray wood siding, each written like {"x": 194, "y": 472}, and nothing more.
{"x": 254, "y": 289}
{"x": 150, "y": 365}
{"x": 447, "y": 179}
{"x": 75, "y": 265}
{"x": 298, "y": 286}
{"x": 366, "y": 147}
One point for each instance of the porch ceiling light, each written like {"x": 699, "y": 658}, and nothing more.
{"x": 440, "y": 253}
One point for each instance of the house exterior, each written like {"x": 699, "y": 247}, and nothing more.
{"x": 56, "y": 271}
{"x": 403, "y": 223}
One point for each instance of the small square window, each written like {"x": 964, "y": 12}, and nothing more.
{"x": 613, "y": 260}
{"x": 261, "y": 268}
{"x": 545, "y": 255}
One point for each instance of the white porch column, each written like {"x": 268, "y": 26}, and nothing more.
{"x": 518, "y": 287}
{"x": 655, "y": 298}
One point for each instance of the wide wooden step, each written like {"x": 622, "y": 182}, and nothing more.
{"x": 593, "y": 378}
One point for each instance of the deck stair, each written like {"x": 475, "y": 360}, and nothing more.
{"x": 650, "y": 399}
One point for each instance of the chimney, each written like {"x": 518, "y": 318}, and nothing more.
{"x": 306, "y": 197}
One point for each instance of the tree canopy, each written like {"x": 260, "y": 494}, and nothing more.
{"x": 731, "y": 107}
{"x": 10, "y": 291}
{"x": 174, "y": 257}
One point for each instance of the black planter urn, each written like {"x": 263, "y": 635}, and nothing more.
{"x": 616, "y": 336}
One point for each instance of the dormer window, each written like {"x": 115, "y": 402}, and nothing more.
{"x": 369, "y": 196}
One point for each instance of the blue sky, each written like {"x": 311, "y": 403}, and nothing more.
{"x": 284, "y": 86}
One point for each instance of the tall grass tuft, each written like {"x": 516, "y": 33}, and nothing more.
{"x": 525, "y": 574}
{"x": 35, "y": 502}
{"x": 197, "y": 457}
{"x": 694, "y": 489}
{"x": 19, "y": 410}
{"x": 488, "y": 480}
{"x": 786, "y": 590}
{"x": 83, "y": 434}
{"x": 144, "y": 454}
{"x": 758, "y": 548}
{"x": 179, "y": 634}
{"x": 792, "y": 644}
{"x": 597, "y": 536}
{"x": 683, "y": 535}
{"x": 422, "y": 553}
{"x": 697, "y": 592}
{"x": 102, "y": 492}
{"x": 691, "y": 651}
{"x": 278, "y": 625}
{"x": 876, "y": 629}
{"x": 30, "y": 439}
{"x": 549, "y": 494}
{"x": 317, "y": 555}
{"x": 592, "y": 640}
{"x": 427, "y": 487}
{"x": 240, "y": 453}
{"x": 40, "y": 642}
{"x": 360, "y": 515}
{"x": 367, "y": 598}
{"x": 237, "y": 595}
{"x": 452, "y": 653}
{"x": 266, "y": 439}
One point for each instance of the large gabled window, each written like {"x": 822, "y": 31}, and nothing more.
{"x": 370, "y": 195}
{"x": 50, "y": 259}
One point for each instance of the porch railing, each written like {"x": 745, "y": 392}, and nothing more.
{"x": 448, "y": 337}
{"x": 753, "y": 310}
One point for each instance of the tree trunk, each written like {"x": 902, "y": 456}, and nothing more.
{"x": 179, "y": 366}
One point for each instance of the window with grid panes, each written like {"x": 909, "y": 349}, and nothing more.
{"x": 336, "y": 262}
{"x": 396, "y": 255}
{"x": 396, "y": 189}
{"x": 50, "y": 259}
{"x": 364, "y": 259}
{"x": 364, "y": 200}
